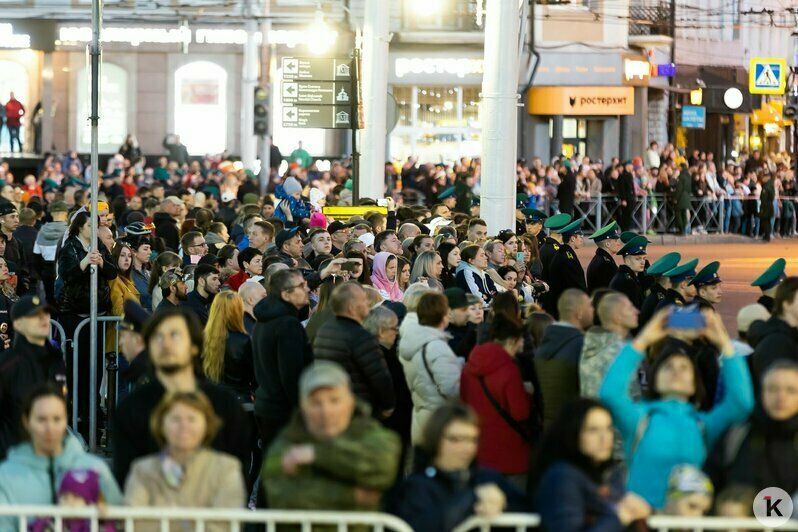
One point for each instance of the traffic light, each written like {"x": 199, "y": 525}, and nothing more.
{"x": 790, "y": 111}
{"x": 261, "y": 111}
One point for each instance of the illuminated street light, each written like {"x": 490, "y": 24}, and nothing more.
{"x": 696, "y": 97}
{"x": 320, "y": 36}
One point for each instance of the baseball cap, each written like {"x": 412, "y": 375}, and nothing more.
{"x": 28, "y": 306}
{"x": 170, "y": 278}
{"x": 337, "y": 225}
{"x": 7, "y": 207}
{"x": 367, "y": 238}
{"x": 458, "y": 298}
{"x": 285, "y": 235}
{"x": 322, "y": 374}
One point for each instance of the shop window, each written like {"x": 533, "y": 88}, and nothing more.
{"x": 14, "y": 79}
{"x": 112, "y": 128}
{"x": 201, "y": 107}
{"x": 437, "y": 107}
{"x": 404, "y": 102}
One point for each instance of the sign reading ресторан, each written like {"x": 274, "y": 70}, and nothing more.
{"x": 317, "y": 68}
{"x": 581, "y": 101}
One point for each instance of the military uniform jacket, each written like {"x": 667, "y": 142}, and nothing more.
{"x": 650, "y": 303}
{"x": 547, "y": 251}
{"x": 600, "y": 271}
{"x": 767, "y": 302}
{"x": 702, "y": 303}
{"x": 626, "y": 282}
{"x": 672, "y": 297}
{"x": 566, "y": 272}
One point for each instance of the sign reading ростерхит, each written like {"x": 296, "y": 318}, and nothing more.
{"x": 581, "y": 101}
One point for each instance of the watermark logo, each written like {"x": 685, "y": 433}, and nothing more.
{"x": 772, "y": 507}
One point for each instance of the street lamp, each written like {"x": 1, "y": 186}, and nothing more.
{"x": 733, "y": 98}
{"x": 320, "y": 36}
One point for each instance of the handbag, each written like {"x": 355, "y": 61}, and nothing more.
{"x": 505, "y": 415}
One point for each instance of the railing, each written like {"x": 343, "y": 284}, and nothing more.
{"x": 230, "y": 519}
{"x": 650, "y": 20}
{"x": 93, "y": 391}
{"x": 657, "y": 523}
{"x": 57, "y": 333}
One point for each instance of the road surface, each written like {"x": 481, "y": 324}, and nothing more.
{"x": 741, "y": 263}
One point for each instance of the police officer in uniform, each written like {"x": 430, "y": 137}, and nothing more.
{"x": 769, "y": 281}
{"x": 534, "y": 224}
{"x": 552, "y": 243}
{"x": 680, "y": 291}
{"x": 634, "y": 262}
{"x": 448, "y": 197}
{"x": 707, "y": 284}
{"x": 520, "y": 218}
{"x": 602, "y": 267}
{"x": 566, "y": 270}
{"x": 661, "y": 284}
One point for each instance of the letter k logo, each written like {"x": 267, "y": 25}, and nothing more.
{"x": 771, "y": 507}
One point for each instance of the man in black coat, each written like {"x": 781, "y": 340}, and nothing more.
{"x": 769, "y": 282}
{"x": 32, "y": 361}
{"x": 776, "y": 338}
{"x": 166, "y": 223}
{"x": 626, "y": 280}
{"x": 281, "y": 351}
{"x": 566, "y": 191}
{"x": 565, "y": 270}
{"x": 174, "y": 340}
{"x": 206, "y": 286}
{"x": 343, "y": 340}
{"x": 626, "y": 195}
{"x": 602, "y": 267}
{"x": 659, "y": 286}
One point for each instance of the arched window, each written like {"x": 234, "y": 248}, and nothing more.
{"x": 14, "y": 79}
{"x": 201, "y": 107}
{"x": 113, "y": 109}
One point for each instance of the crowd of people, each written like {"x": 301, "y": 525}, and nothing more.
{"x": 409, "y": 359}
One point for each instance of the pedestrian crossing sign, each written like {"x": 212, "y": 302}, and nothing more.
{"x": 767, "y": 75}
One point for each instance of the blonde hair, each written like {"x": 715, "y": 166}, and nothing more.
{"x": 227, "y": 314}
{"x": 196, "y": 400}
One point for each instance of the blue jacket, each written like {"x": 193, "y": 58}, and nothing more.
{"x": 25, "y": 479}
{"x": 677, "y": 433}
{"x": 299, "y": 208}
{"x": 569, "y": 501}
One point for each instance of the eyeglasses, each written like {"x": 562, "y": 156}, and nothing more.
{"x": 200, "y": 245}
{"x": 290, "y": 288}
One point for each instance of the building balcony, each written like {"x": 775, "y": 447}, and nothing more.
{"x": 649, "y": 19}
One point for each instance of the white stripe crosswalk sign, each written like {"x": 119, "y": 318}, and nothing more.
{"x": 767, "y": 75}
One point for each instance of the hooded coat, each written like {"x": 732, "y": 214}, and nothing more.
{"x": 773, "y": 340}
{"x": 501, "y": 447}
{"x": 433, "y": 388}
{"x": 29, "y": 479}
{"x": 557, "y": 366}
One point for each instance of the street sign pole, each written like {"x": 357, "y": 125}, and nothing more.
{"x": 355, "y": 121}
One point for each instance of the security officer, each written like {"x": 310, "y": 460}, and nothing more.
{"x": 552, "y": 242}
{"x": 661, "y": 284}
{"x": 634, "y": 262}
{"x": 448, "y": 197}
{"x": 534, "y": 223}
{"x": 521, "y": 201}
{"x": 707, "y": 284}
{"x": 602, "y": 267}
{"x": 566, "y": 271}
{"x": 769, "y": 281}
{"x": 680, "y": 291}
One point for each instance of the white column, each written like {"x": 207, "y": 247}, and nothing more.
{"x": 47, "y": 105}
{"x": 498, "y": 115}
{"x": 248, "y": 140}
{"x": 374, "y": 79}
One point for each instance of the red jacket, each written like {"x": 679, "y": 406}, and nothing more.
{"x": 130, "y": 190}
{"x": 14, "y": 111}
{"x": 500, "y": 446}
{"x": 237, "y": 279}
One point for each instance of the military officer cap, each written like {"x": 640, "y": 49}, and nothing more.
{"x": 448, "y": 192}
{"x": 533, "y": 215}
{"x": 635, "y": 247}
{"x": 680, "y": 273}
{"x": 28, "y": 306}
{"x": 608, "y": 232}
{"x": 626, "y": 236}
{"x": 521, "y": 200}
{"x": 573, "y": 228}
{"x": 707, "y": 276}
{"x": 134, "y": 318}
{"x": 772, "y": 276}
{"x": 664, "y": 263}
{"x": 557, "y": 222}
{"x": 475, "y": 201}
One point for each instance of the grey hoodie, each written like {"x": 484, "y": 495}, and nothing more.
{"x": 47, "y": 240}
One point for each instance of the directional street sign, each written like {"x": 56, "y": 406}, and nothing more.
{"x": 317, "y": 92}
{"x": 317, "y": 68}
{"x": 767, "y": 75}
{"x": 694, "y": 117}
{"x": 318, "y": 116}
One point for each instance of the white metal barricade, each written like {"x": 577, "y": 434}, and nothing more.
{"x": 232, "y": 519}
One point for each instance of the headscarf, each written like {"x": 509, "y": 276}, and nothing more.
{"x": 389, "y": 289}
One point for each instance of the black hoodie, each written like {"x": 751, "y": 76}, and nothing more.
{"x": 281, "y": 351}
{"x": 773, "y": 340}
{"x": 557, "y": 366}
{"x": 166, "y": 228}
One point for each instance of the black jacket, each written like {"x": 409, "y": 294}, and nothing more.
{"x": 74, "y": 297}
{"x": 773, "y": 340}
{"x": 239, "y": 370}
{"x": 281, "y": 351}
{"x": 166, "y": 228}
{"x": 401, "y": 418}
{"x": 131, "y": 432}
{"x": 626, "y": 188}
{"x": 6, "y": 325}
{"x": 600, "y": 271}
{"x": 627, "y": 282}
{"x": 200, "y": 305}
{"x": 22, "y": 368}
{"x": 463, "y": 340}
{"x": 565, "y": 272}
{"x": 650, "y": 303}
{"x": 767, "y": 302}
{"x": 137, "y": 372}
{"x": 557, "y": 367}
{"x": 672, "y": 297}
{"x": 26, "y": 235}
{"x": 566, "y": 192}
{"x": 346, "y": 342}
{"x": 18, "y": 263}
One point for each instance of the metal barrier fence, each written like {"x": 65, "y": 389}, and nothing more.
{"x": 657, "y": 523}
{"x": 229, "y": 519}
{"x": 113, "y": 324}
{"x": 57, "y": 333}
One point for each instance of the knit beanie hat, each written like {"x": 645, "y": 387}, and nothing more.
{"x": 292, "y": 186}
{"x": 84, "y": 483}
{"x": 318, "y": 219}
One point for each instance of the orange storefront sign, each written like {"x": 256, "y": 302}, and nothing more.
{"x": 581, "y": 101}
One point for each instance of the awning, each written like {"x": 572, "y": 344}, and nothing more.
{"x": 714, "y": 86}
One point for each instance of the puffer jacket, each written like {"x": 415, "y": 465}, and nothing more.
{"x": 556, "y": 363}
{"x": 344, "y": 341}
{"x": 74, "y": 297}
{"x": 429, "y": 389}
